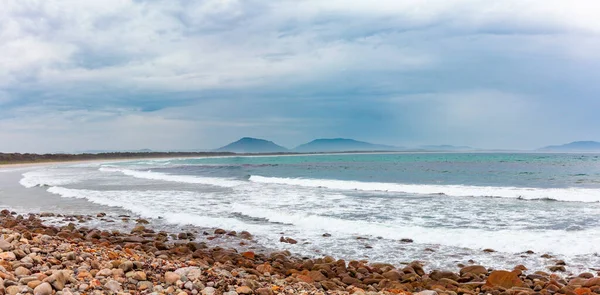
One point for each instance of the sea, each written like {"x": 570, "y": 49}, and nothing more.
{"x": 443, "y": 209}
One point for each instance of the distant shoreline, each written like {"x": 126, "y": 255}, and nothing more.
{"x": 14, "y": 159}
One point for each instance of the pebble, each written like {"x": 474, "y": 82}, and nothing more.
{"x": 91, "y": 261}
{"x": 43, "y": 289}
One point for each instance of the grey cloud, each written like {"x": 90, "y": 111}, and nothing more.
{"x": 296, "y": 70}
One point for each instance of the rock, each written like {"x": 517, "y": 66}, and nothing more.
{"x": 326, "y": 235}
{"x": 264, "y": 291}
{"x": 244, "y": 290}
{"x": 406, "y": 240}
{"x": 13, "y": 290}
{"x": 33, "y": 284}
{"x": 592, "y": 282}
{"x": 393, "y": 275}
{"x": 171, "y": 278}
{"x": 427, "y": 292}
{"x": 5, "y": 246}
{"x": 317, "y": 276}
{"x": 264, "y": 268}
{"x": 246, "y": 235}
{"x": 437, "y": 275}
{"x": 504, "y": 279}
{"x": 126, "y": 266}
{"x": 473, "y": 269}
{"x": 145, "y": 285}
{"x": 208, "y": 291}
{"x": 8, "y": 256}
{"x": 586, "y": 275}
{"x": 556, "y": 268}
{"x": 101, "y": 214}
{"x": 94, "y": 234}
{"x": 138, "y": 229}
{"x": 57, "y": 280}
{"x": 43, "y": 289}
{"x": 139, "y": 276}
{"x": 220, "y": 231}
{"x": 489, "y": 250}
{"x": 288, "y": 240}
{"x": 329, "y": 286}
{"x": 21, "y": 271}
{"x": 113, "y": 286}
{"x": 105, "y": 272}
{"x": 248, "y": 254}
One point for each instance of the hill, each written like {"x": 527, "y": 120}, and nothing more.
{"x": 252, "y": 145}
{"x": 576, "y": 146}
{"x": 341, "y": 145}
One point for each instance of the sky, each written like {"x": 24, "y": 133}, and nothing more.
{"x": 180, "y": 74}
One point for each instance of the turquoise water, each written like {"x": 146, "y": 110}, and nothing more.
{"x": 521, "y": 170}
{"x": 455, "y": 204}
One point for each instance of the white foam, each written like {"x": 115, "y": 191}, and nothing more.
{"x": 215, "y": 181}
{"x": 48, "y": 177}
{"x": 152, "y": 204}
{"x": 559, "y": 194}
{"x": 511, "y": 241}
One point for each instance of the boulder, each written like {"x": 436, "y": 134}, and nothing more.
{"x": 592, "y": 282}
{"x": 317, "y": 276}
{"x": 473, "y": 269}
{"x": 437, "y": 275}
{"x": 504, "y": 279}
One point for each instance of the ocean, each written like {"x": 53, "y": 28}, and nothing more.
{"x": 353, "y": 206}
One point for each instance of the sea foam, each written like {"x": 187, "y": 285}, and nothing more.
{"x": 215, "y": 181}
{"x": 558, "y": 194}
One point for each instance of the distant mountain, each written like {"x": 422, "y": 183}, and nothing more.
{"x": 576, "y": 146}
{"x": 445, "y": 147}
{"x": 252, "y": 145}
{"x": 341, "y": 145}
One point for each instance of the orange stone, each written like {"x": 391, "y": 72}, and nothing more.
{"x": 583, "y": 291}
{"x": 305, "y": 279}
{"x": 504, "y": 279}
{"x": 249, "y": 254}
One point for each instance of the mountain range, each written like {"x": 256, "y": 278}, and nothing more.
{"x": 576, "y": 146}
{"x": 256, "y": 145}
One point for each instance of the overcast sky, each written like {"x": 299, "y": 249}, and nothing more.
{"x": 116, "y": 74}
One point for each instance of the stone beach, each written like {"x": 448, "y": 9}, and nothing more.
{"x": 37, "y": 258}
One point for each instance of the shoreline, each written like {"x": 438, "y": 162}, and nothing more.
{"x": 73, "y": 259}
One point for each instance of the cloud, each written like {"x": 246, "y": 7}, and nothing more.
{"x": 295, "y": 70}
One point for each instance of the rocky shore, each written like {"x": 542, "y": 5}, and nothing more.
{"x": 36, "y": 258}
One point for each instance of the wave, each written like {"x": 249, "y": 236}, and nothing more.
{"x": 152, "y": 204}
{"x": 312, "y": 226}
{"x": 215, "y": 181}
{"x": 48, "y": 178}
{"x": 524, "y": 193}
